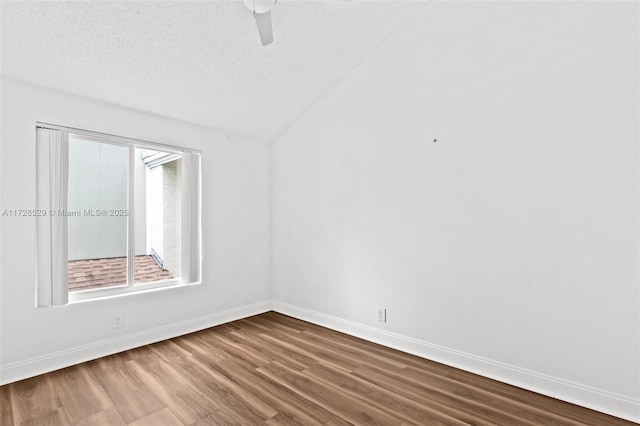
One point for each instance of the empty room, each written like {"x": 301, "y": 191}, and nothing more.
{"x": 322, "y": 212}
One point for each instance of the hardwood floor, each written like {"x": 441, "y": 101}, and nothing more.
{"x": 275, "y": 370}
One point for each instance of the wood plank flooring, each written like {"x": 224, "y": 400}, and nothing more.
{"x": 275, "y": 370}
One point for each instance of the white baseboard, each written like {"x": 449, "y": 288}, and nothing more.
{"x": 596, "y": 399}
{"x": 55, "y": 361}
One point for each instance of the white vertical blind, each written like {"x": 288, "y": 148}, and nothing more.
{"x": 52, "y": 147}
{"x": 191, "y": 244}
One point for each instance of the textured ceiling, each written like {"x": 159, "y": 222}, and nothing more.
{"x": 197, "y": 61}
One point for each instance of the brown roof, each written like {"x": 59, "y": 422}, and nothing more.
{"x": 96, "y": 273}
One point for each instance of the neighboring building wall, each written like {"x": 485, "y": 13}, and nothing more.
{"x": 98, "y": 181}
{"x": 156, "y": 212}
{"x": 171, "y": 225}
{"x": 165, "y": 214}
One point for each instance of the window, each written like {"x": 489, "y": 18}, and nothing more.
{"x": 118, "y": 215}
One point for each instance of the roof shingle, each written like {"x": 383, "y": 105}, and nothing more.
{"x": 97, "y": 273}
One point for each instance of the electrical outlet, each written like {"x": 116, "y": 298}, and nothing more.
{"x": 382, "y": 314}
{"x": 118, "y": 321}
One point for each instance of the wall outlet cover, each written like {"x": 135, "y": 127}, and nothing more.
{"x": 118, "y": 321}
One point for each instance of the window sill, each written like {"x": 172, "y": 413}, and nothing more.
{"x": 81, "y": 296}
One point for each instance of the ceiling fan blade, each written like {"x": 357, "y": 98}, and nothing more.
{"x": 264, "y": 27}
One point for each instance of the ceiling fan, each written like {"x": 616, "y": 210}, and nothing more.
{"x": 262, "y": 12}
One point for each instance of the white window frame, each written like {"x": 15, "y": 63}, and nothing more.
{"x": 50, "y": 262}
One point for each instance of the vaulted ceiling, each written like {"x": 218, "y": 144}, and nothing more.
{"x": 196, "y": 61}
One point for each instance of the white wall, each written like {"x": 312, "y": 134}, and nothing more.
{"x": 509, "y": 246}
{"x": 236, "y": 238}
